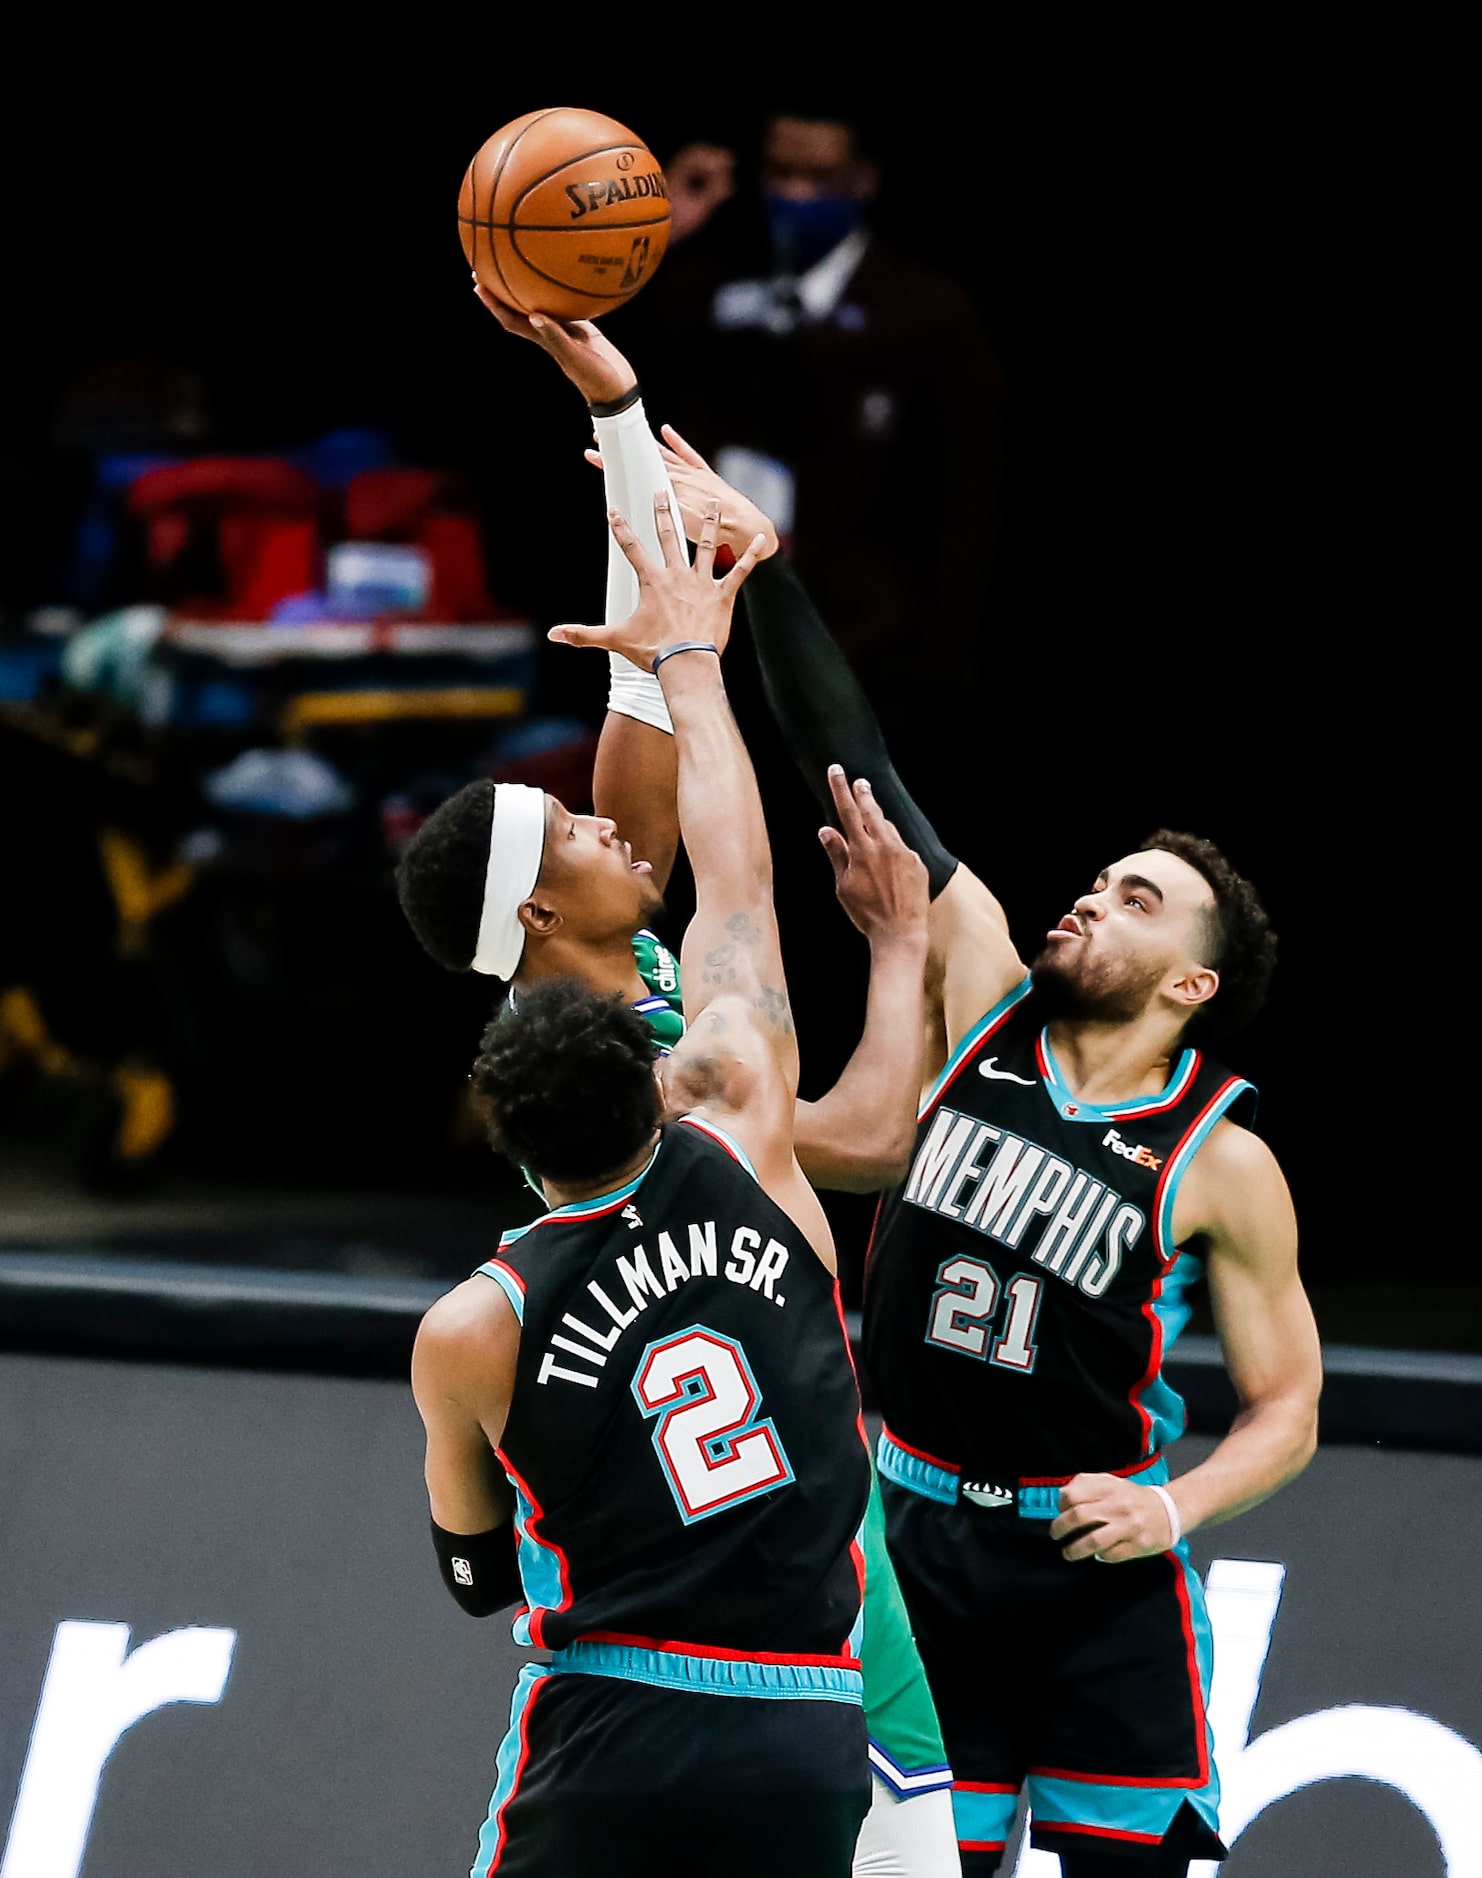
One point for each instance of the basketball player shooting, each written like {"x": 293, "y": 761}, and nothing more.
{"x": 479, "y": 897}
{"x": 651, "y": 1384}
{"x": 475, "y": 897}
{"x": 1079, "y": 1165}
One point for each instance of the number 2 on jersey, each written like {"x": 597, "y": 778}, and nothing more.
{"x": 713, "y": 1447}
{"x": 967, "y": 1296}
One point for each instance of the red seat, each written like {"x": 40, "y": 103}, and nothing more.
{"x": 228, "y": 537}
{"x": 434, "y": 511}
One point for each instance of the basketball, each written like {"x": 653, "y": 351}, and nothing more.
{"x": 564, "y": 212}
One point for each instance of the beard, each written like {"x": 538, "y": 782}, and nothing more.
{"x": 650, "y": 902}
{"x": 1092, "y": 991}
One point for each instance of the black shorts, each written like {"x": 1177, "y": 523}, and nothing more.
{"x": 1083, "y": 1684}
{"x": 600, "y": 1775}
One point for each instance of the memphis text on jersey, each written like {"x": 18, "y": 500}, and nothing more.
{"x": 1060, "y": 1217}
{"x": 638, "y": 1277}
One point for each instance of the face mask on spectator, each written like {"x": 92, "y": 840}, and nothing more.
{"x": 805, "y": 230}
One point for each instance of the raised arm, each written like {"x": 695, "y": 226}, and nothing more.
{"x": 633, "y": 780}
{"x": 738, "y": 1061}
{"x": 859, "y": 1136}
{"x": 826, "y": 718}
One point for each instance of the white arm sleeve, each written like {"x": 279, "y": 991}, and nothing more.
{"x": 633, "y": 472}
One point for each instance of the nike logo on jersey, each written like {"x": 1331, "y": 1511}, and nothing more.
{"x": 985, "y": 1068}
{"x": 633, "y": 1217}
{"x": 982, "y": 1493}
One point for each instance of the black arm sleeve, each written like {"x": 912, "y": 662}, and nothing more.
{"x": 822, "y": 710}
{"x": 479, "y": 1568}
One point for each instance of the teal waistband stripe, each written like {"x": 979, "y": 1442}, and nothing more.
{"x": 711, "y": 1675}
{"x": 909, "y": 1470}
{"x": 936, "y": 1483}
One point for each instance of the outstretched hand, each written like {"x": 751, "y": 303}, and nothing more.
{"x": 696, "y": 484}
{"x": 881, "y": 883}
{"x": 588, "y": 357}
{"x": 677, "y": 602}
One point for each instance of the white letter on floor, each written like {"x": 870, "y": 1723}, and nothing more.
{"x": 94, "y": 1690}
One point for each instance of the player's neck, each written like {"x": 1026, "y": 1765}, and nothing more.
{"x": 562, "y": 1193}
{"x": 604, "y": 967}
{"x": 1108, "y": 1063}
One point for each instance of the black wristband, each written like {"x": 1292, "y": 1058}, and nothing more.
{"x": 479, "y": 1568}
{"x": 615, "y": 407}
{"x": 685, "y": 645}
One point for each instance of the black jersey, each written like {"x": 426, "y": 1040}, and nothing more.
{"x": 1023, "y": 1286}
{"x": 684, "y": 1436}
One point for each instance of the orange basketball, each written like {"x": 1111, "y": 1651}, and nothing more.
{"x": 564, "y": 212}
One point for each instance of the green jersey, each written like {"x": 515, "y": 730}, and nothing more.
{"x": 664, "y": 1006}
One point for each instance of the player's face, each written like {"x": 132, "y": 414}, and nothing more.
{"x": 1141, "y": 925}
{"x": 589, "y": 875}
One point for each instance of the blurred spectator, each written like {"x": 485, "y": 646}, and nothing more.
{"x": 848, "y": 388}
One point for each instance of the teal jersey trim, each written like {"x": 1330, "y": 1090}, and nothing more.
{"x": 732, "y": 1147}
{"x": 509, "y": 1283}
{"x": 507, "y": 1763}
{"x": 731, "y": 1673}
{"x": 1158, "y": 1400}
{"x": 584, "y": 1209}
{"x": 971, "y": 1041}
{"x": 914, "y": 1472}
{"x": 983, "y": 1814}
{"x": 1076, "y": 1108}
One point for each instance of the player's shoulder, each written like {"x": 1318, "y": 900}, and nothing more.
{"x": 1234, "y": 1183}
{"x": 1234, "y": 1152}
{"x": 471, "y": 1321}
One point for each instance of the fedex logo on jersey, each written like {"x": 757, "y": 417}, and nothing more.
{"x": 1013, "y": 1191}
{"x": 1139, "y": 1156}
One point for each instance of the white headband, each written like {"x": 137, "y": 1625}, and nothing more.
{"x": 516, "y": 842}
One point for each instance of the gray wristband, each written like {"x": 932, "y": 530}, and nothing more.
{"x": 686, "y": 645}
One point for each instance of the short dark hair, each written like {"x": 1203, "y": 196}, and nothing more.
{"x": 440, "y": 876}
{"x": 828, "y": 104}
{"x": 1238, "y": 940}
{"x": 566, "y": 1079}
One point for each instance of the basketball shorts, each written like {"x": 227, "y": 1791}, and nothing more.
{"x": 906, "y": 1751}
{"x": 641, "y": 1763}
{"x": 1081, "y": 1685}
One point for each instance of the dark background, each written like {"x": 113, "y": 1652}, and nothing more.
{"x": 1186, "y": 255}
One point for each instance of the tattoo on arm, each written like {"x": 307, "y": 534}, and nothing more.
{"x": 720, "y": 968}
{"x": 774, "y": 1007}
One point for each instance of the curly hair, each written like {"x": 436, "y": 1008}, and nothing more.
{"x": 567, "y": 1082}
{"x": 1238, "y": 941}
{"x": 440, "y": 876}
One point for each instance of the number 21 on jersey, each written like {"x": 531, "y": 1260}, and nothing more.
{"x": 714, "y": 1448}
{"x": 966, "y": 1297}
